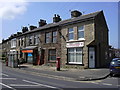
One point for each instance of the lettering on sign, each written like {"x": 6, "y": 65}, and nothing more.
{"x": 76, "y": 44}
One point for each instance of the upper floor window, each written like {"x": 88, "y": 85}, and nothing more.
{"x": 36, "y": 39}
{"x": 51, "y": 37}
{"x": 54, "y": 36}
{"x": 80, "y": 32}
{"x": 70, "y": 34}
{"x": 30, "y": 40}
{"x": 48, "y": 37}
{"x": 22, "y": 41}
{"x": 13, "y": 43}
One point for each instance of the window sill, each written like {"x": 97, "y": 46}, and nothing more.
{"x": 51, "y": 61}
{"x": 74, "y": 64}
{"x": 76, "y": 40}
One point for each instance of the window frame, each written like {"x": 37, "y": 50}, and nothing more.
{"x": 54, "y": 37}
{"x": 49, "y": 55}
{"x": 75, "y": 54}
{"x": 48, "y": 38}
{"x": 81, "y": 30}
{"x": 30, "y": 40}
{"x": 36, "y": 39}
{"x": 70, "y": 32}
{"x": 13, "y": 43}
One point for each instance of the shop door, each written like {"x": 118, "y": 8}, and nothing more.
{"x": 30, "y": 58}
{"x": 42, "y": 56}
{"x": 91, "y": 57}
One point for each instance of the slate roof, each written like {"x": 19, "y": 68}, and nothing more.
{"x": 68, "y": 21}
{"x": 62, "y": 23}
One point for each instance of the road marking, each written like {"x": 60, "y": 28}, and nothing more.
{"x": 8, "y": 86}
{"x": 94, "y": 82}
{"x": 39, "y": 84}
{"x": 9, "y": 78}
{"x": 3, "y": 74}
{"x": 107, "y": 84}
{"x": 22, "y": 85}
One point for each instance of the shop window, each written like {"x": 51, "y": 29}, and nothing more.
{"x": 54, "y": 36}
{"x": 75, "y": 56}
{"x": 48, "y": 37}
{"x": 70, "y": 34}
{"x": 80, "y": 32}
{"x": 52, "y": 55}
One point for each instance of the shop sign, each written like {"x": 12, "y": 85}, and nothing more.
{"x": 75, "y": 44}
{"x": 30, "y": 54}
{"x": 27, "y": 51}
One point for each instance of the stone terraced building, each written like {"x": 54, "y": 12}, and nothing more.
{"x": 80, "y": 42}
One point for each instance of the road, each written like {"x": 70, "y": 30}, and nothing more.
{"x": 14, "y": 79}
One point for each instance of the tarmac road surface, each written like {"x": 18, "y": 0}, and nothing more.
{"x": 15, "y": 79}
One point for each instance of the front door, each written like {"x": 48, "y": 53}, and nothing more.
{"x": 30, "y": 58}
{"x": 42, "y": 57}
{"x": 91, "y": 57}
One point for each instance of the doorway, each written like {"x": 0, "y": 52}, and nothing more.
{"x": 91, "y": 57}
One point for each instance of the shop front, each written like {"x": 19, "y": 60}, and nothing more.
{"x": 12, "y": 58}
{"x": 75, "y": 52}
{"x": 31, "y": 54}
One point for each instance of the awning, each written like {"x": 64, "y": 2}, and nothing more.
{"x": 29, "y": 49}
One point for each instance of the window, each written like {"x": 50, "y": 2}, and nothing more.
{"x": 36, "y": 39}
{"x": 30, "y": 40}
{"x": 22, "y": 41}
{"x": 48, "y": 37}
{"x": 18, "y": 42}
{"x": 52, "y": 54}
{"x": 13, "y": 43}
{"x": 71, "y": 34}
{"x": 80, "y": 32}
{"x": 75, "y": 55}
{"x": 54, "y": 37}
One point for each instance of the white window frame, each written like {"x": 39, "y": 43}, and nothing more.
{"x": 75, "y": 58}
{"x": 36, "y": 39}
{"x": 13, "y": 43}
{"x": 82, "y": 30}
{"x": 54, "y": 37}
{"x": 70, "y": 33}
{"x": 31, "y": 39}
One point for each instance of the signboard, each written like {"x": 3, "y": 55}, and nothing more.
{"x": 30, "y": 54}
{"x": 75, "y": 44}
{"x": 27, "y": 51}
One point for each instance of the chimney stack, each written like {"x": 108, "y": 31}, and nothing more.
{"x": 75, "y": 13}
{"x": 56, "y": 18}
{"x": 32, "y": 27}
{"x": 24, "y": 29}
{"x": 42, "y": 22}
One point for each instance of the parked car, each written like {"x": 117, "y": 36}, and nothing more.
{"x": 115, "y": 67}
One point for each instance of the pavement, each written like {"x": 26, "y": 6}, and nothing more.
{"x": 67, "y": 74}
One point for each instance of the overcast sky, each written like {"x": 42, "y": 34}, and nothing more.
{"x": 14, "y": 15}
